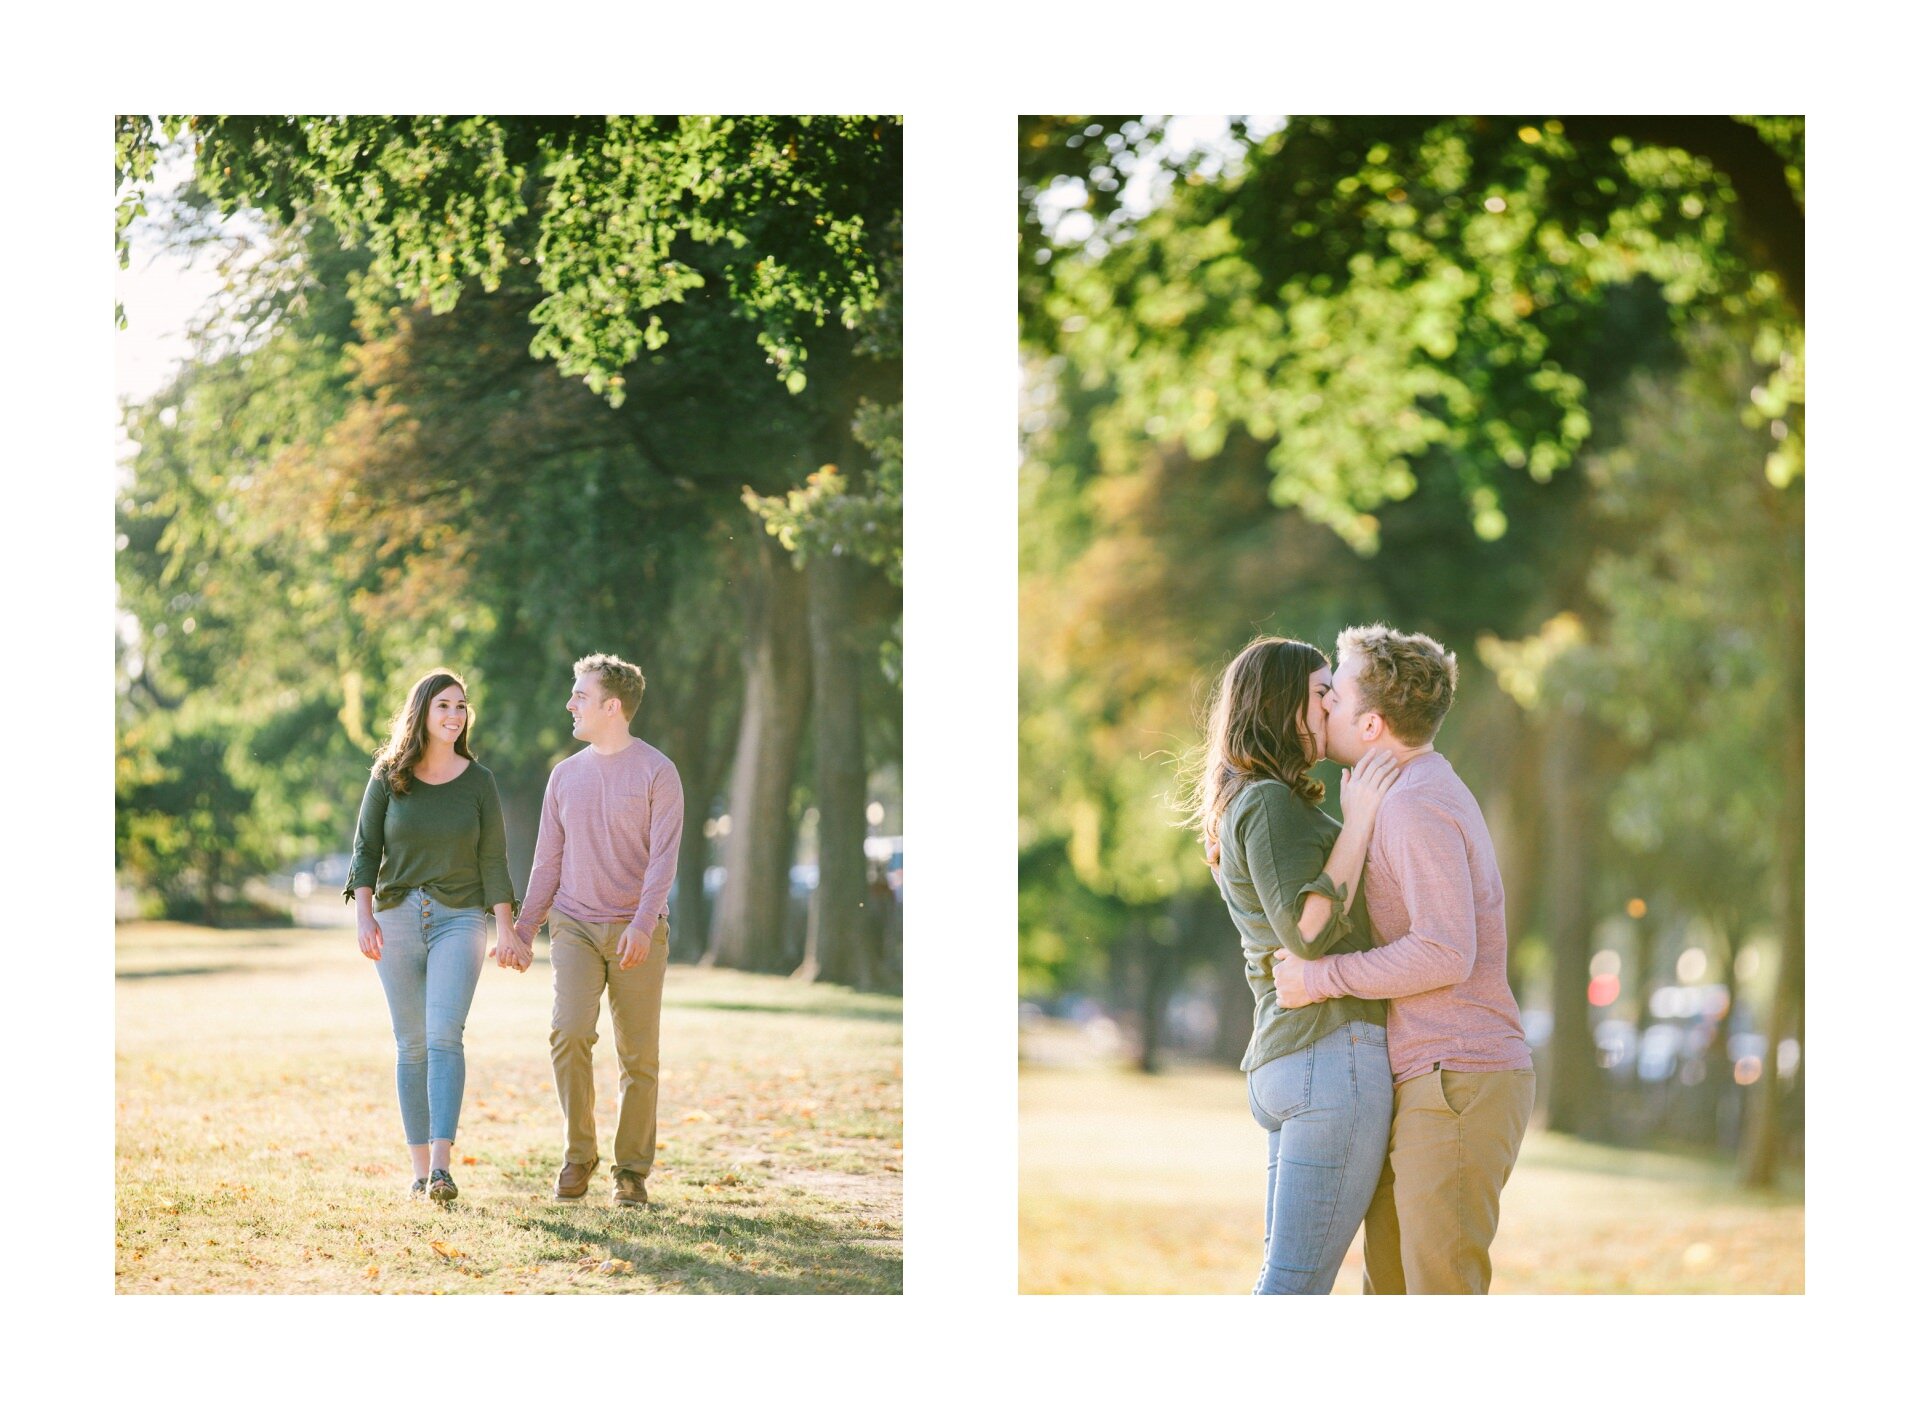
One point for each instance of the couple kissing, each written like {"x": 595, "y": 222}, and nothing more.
{"x": 1387, "y": 1063}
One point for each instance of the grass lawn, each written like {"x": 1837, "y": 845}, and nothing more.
{"x": 1133, "y": 1184}
{"x": 258, "y": 1142}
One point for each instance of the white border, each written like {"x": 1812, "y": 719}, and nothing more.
{"x": 959, "y": 76}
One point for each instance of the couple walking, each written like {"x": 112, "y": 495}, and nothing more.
{"x": 1387, "y": 1063}
{"x": 430, "y": 860}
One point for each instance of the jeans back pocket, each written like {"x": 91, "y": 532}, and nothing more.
{"x": 1280, "y": 1088}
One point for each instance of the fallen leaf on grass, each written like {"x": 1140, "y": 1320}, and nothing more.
{"x": 446, "y": 1250}
{"x": 692, "y": 1117}
{"x": 469, "y": 1160}
{"x": 616, "y": 1265}
{"x": 373, "y": 1271}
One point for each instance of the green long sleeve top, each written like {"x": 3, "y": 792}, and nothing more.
{"x": 1273, "y": 855}
{"x": 447, "y": 838}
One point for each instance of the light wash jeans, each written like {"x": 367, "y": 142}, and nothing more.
{"x": 429, "y": 965}
{"x": 1327, "y": 1110}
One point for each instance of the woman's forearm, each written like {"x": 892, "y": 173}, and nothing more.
{"x": 1344, "y": 863}
{"x": 363, "y": 901}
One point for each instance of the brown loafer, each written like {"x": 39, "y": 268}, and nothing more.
{"x": 628, "y": 1188}
{"x": 572, "y": 1181}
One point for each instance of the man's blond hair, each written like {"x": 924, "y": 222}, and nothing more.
{"x": 620, "y": 679}
{"x": 1406, "y": 678}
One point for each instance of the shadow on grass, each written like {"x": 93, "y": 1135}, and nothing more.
{"x": 182, "y": 971}
{"x": 237, "y": 942}
{"x": 803, "y": 1010}
{"x": 833, "y": 1264}
{"x": 1704, "y": 1171}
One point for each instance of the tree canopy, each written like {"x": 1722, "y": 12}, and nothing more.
{"x": 505, "y": 391}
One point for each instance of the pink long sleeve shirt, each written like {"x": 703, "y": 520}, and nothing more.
{"x": 609, "y": 839}
{"x": 1439, "y": 921}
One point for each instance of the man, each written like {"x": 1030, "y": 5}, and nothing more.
{"x": 609, "y": 839}
{"x": 1463, "y": 1077}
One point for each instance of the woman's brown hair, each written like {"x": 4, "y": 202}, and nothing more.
{"x": 1256, "y": 728}
{"x": 407, "y": 739}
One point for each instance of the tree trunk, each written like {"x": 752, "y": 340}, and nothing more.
{"x": 210, "y": 884}
{"x": 1570, "y": 1092}
{"x": 1514, "y": 820}
{"x": 698, "y": 761}
{"x": 1159, "y": 961}
{"x": 751, "y": 918}
{"x": 837, "y": 923}
{"x": 1760, "y": 1155}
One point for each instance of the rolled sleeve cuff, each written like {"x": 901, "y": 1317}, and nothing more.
{"x": 1322, "y": 981}
{"x": 1338, "y": 926}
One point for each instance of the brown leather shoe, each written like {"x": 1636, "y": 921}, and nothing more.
{"x": 628, "y": 1188}
{"x": 572, "y": 1181}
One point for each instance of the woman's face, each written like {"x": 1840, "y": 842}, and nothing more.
{"x": 1314, "y": 718}
{"x": 447, "y": 714}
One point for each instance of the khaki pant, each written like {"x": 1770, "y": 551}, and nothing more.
{"x": 1455, "y": 1138}
{"x": 584, "y": 963}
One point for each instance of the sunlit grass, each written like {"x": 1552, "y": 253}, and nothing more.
{"x": 1132, "y": 1184}
{"x": 259, "y": 1146}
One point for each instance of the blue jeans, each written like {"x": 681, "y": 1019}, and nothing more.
{"x": 429, "y": 965}
{"x": 1327, "y": 1110}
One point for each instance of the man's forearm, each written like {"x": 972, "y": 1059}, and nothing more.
{"x": 653, "y": 899}
{"x": 542, "y": 886}
{"x": 1413, "y": 964}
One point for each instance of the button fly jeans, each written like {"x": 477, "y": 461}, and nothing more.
{"x": 1327, "y": 1110}
{"x": 429, "y": 965}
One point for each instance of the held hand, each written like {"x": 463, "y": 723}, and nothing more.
{"x": 1290, "y": 984}
{"x": 634, "y": 945}
{"x": 370, "y": 938}
{"x": 1363, "y": 786}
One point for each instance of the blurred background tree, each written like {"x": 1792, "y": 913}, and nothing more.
{"x": 1532, "y": 385}
{"x": 501, "y": 391}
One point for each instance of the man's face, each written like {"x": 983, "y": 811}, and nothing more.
{"x": 590, "y": 705}
{"x": 1350, "y": 732}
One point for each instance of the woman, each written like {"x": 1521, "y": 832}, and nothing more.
{"x": 429, "y": 859}
{"x": 1317, "y": 1077}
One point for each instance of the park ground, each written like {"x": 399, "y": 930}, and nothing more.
{"x": 258, "y": 1144}
{"x": 1137, "y": 1184}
